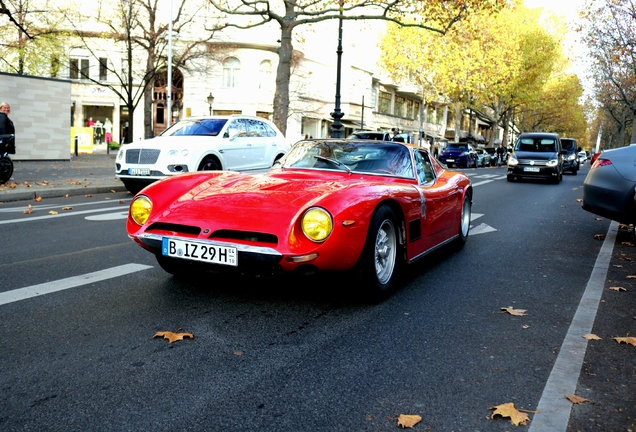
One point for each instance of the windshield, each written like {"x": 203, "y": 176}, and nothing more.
{"x": 457, "y": 147}
{"x": 536, "y": 144}
{"x": 381, "y": 159}
{"x": 209, "y": 127}
{"x": 568, "y": 144}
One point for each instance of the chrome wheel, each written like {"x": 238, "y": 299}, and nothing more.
{"x": 385, "y": 251}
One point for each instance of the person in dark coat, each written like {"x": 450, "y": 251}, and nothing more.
{"x": 6, "y": 127}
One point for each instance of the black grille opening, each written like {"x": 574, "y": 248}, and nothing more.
{"x": 174, "y": 229}
{"x": 247, "y": 236}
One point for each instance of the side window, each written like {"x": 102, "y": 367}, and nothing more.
{"x": 240, "y": 126}
{"x": 424, "y": 168}
{"x": 255, "y": 128}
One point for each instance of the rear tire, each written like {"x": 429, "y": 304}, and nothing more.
{"x": 381, "y": 260}
{"x": 464, "y": 220}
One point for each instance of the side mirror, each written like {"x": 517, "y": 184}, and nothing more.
{"x": 232, "y": 133}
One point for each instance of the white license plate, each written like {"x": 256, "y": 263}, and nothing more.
{"x": 450, "y": 160}
{"x": 531, "y": 169}
{"x": 139, "y": 171}
{"x": 199, "y": 251}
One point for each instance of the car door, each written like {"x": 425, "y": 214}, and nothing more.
{"x": 262, "y": 139}
{"x": 441, "y": 202}
{"x": 234, "y": 146}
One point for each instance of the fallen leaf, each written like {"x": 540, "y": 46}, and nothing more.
{"x": 172, "y": 336}
{"x": 526, "y": 326}
{"x": 576, "y": 399}
{"x": 628, "y": 243}
{"x": 618, "y": 266}
{"x": 617, "y": 288}
{"x": 44, "y": 182}
{"x": 622, "y": 226}
{"x": 67, "y": 208}
{"x": 113, "y": 191}
{"x": 37, "y": 198}
{"x": 408, "y": 421}
{"x": 596, "y": 218}
{"x": 88, "y": 196}
{"x": 599, "y": 237}
{"x": 515, "y": 312}
{"x": 29, "y": 210}
{"x": 591, "y": 336}
{"x": 627, "y": 340}
{"x": 631, "y": 277}
{"x": 579, "y": 200}
{"x": 508, "y": 410}
{"x": 626, "y": 259}
{"x": 121, "y": 202}
{"x": 53, "y": 212}
{"x": 238, "y": 353}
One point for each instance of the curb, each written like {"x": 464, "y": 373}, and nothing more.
{"x": 59, "y": 192}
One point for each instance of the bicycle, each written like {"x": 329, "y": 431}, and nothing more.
{"x": 6, "y": 164}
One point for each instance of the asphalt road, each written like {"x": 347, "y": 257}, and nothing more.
{"x": 80, "y": 303}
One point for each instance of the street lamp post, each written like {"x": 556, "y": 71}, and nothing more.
{"x": 337, "y": 126}
{"x": 210, "y": 101}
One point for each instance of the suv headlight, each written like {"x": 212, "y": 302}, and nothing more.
{"x": 552, "y": 163}
{"x": 120, "y": 154}
{"x": 512, "y": 161}
{"x": 571, "y": 157}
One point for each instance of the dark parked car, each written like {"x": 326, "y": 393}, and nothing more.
{"x": 483, "y": 157}
{"x": 608, "y": 189}
{"x": 571, "y": 158}
{"x": 537, "y": 155}
{"x": 459, "y": 154}
{"x": 492, "y": 151}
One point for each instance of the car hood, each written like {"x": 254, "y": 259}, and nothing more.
{"x": 454, "y": 152}
{"x": 263, "y": 202}
{"x": 542, "y": 156}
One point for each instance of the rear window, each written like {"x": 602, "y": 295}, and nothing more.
{"x": 536, "y": 145}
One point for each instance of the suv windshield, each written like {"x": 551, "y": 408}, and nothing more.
{"x": 210, "y": 127}
{"x": 536, "y": 145}
{"x": 457, "y": 147}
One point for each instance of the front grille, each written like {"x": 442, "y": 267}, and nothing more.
{"x": 142, "y": 156}
{"x": 173, "y": 229}
{"x": 247, "y": 236}
{"x": 535, "y": 162}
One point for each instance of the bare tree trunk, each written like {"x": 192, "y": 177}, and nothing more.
{"x": 458, "y": 120}
{"x": 633, "y": 140}
{"x": 283, "y": 74}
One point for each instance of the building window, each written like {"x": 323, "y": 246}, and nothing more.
{"x": 103, "y": 69}
{"x": 430, "y": 115}
{"x": 400, "y": 106}
{"x": 409, "y": 108}
{"x": 265, "y": 74}
{"x": 231, "y": 69}
{"x": 78, "y": 68}
{"x": 384, "y": 102}
{"x": 55, "y": 67}
{"x": 416, "y": 110}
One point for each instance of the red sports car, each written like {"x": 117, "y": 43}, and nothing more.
{"x": 359, "y": 205}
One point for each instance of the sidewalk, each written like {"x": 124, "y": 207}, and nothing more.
{"x": 83, "y": 174}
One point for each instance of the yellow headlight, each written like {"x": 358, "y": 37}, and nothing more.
{"x": 317, "y": 224}
{"x": 140, "y": 209}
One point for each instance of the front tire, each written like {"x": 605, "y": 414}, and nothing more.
{"x": 6, "y": 169}
{"x": 209, "y": 164}
{"x": 381, "y": 258}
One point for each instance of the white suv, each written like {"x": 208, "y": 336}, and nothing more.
{"x": 234, "y": 142}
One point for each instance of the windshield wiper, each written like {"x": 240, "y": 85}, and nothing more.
{"x": 333, "y": 162}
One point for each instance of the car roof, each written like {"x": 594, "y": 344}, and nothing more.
{"x": 226, "y": 117}
{"x": 539, "y": 134}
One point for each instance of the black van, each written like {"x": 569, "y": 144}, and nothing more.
{"x": 537, "y": 155}
{"x": 571, "y": 158}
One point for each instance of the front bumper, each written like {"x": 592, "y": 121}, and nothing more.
{"x": 534, "y": 171}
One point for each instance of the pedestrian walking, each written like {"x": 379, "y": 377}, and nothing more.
{"x": 7, "y": 129}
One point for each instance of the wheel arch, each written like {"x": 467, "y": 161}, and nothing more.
{"x": 210, "y": 155}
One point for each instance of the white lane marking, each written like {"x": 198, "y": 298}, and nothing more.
{"x": 481, "y": 229}
{"x": 63, "y": 213}
{"x": 474, "y": 216}
{"x": 75, "y": 281}
{"x": 40, "y": 207}
{"x": 553, "y": 410}
{"x": 109, "y": 216}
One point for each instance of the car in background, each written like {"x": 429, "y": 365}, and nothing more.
{"x": 582, "y": 157}
{"x": 492, "y": 151}
{"x": 609, "y": 187}
{"x": 370, "y": 135}
{"x": 483, "y": 157}
{"x": 536, "y": 155}
{"x": 459, "y": 155}
{"x": 360, "y": 207}
{"x": 232, "y": 142}
{"x": 571, "y": 158}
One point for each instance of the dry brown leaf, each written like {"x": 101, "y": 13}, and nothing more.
{"x": 29, "y": 210}
{"x": 617, "y": 289}
{"x": 591, "y": 336}
{"x": 113, "y": 191}
{"x": 576, "y": 399}
{"x": 67, "y": 208}
{"x": 121, "y": 202}
{"x": 597, "y": 218}
{"x": 579, "y": 200}
{"x": 238, "y": 353}
{"x": 622, "y": 226}
{"x": 599, "y": 237}
{"x": 508, "y": 410}
{"x": 618, "y": 266}
{"x": 173, "y": 336}
{"x": 626, "y": 259}
{"x": 628, "y": 340}
{"x": 37, "y": 198}
{"x": 631, "y": 276}
{"x": 526, "y": 326}
{"x": 53, "y": 212}
{"x": 88, "y": 196}
{"x": 628, "y": 244}
{"x": 515, "y": 312}
{"x": 408, "y": 421}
